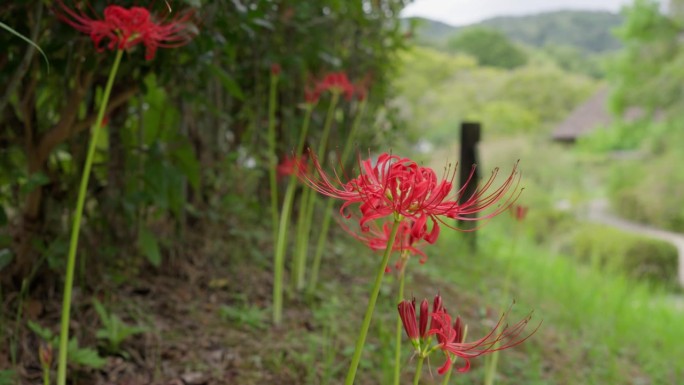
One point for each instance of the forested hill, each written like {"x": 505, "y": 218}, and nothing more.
{"x": 590, "y": 31}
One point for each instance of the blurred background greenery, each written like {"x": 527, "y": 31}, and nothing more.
{"x": 178, "y": 191}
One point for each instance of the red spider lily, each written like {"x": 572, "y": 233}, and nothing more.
{"x": 399, "y": 187}
{"x": 451, "y": 342}
{"x": 124, "y": 28}
{"x": 336, "y": 82}
{"x": 276, "y": 69}
{"x": 291, "y": 164}
{"x": 376, "y": 239}
{"x": 519, "y": 212}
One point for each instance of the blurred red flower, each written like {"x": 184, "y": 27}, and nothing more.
{"x": 519, "y": 212}
{"x": 336, "y": 82}
{"x": 289, "y": 164}
{"x": 122, "y": 28}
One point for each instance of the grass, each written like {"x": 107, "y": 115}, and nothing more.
{"x": 597, "y": 327}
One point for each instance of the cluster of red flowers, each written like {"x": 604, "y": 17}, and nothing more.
{"x": 123, "y": 28}
{"x": 451, "y": 337}
{"x": 335, "y": 82}
{"x": 401, "y": 189}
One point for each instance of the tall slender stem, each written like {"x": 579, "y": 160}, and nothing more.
{"x": 279, "y": 255}
{"x": 361, "y": 339}
{"x": 397, "y": 345}
{"x": 75, "y": 229}
{"x": 308, "y": 202}
{"x": 273, "y": 156}
{"x": 327, "y": 213}
{"x": 419, "y": 369}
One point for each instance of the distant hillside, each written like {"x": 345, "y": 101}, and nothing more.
{"x": 590, "y": 31}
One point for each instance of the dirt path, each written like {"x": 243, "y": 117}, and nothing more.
{"x": 598, "y": 212}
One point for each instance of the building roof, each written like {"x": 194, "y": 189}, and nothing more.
{"x": 585, "y": 118}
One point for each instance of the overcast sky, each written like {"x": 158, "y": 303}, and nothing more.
{"x": 460, "y": 12}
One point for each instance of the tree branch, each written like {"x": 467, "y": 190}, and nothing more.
{"x": 66, "y": 128}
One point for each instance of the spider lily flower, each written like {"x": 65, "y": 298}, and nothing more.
{"x": 336, "y": 82}
{"x": 123, "y": 28}
{"x": 451, "y": 341}
{"x": 376, "y": 238}
{"x": 399, "y": 187}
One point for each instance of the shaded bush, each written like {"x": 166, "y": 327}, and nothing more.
{"x": 634, "y": 255}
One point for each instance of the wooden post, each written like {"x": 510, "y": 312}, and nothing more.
{"x": 470, "y": 136}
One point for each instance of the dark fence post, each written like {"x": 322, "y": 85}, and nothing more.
{"x": 470, "y": 136}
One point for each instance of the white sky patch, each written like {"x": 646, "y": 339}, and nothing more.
{"x": 462, "y": 12}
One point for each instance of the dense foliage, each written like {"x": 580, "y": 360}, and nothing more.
{"x": 438, "y": 90}
{"x": 490, "y": 47}
{"x": 185, "y": 131}
{"x": 646, "y": 79}
{"x": 590, "y": 32}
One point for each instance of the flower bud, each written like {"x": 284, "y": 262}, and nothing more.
{"x": 407, "y": 313}
{"x": 45, "y": 354}
{"x": 424, "y": 318}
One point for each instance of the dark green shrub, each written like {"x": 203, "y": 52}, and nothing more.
{"x": 636, "y": 256}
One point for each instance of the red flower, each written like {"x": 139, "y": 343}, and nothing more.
{"x": 124, "y": 28}
{"x": 289, "y": 165}
{"x": 336, "y": 82}
{"x": 276, "y": 69}
{"x": 399, "y": 187}
{"x": 376, "y": 239}
{"x": 451, "y": 342}
{"x": 519, "y": 212}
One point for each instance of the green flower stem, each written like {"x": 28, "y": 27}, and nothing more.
{"x": 273, "y": 156}
{"x": 361, "y": 339}
{"x": 419, "y": 369}
{"x": 308, "y": 202}
{"x": 397, "y": 345}
{"x": 73, "y": 244}
{"x": 327, "y": 213}
{"x": 493, "y": 359}
{"x": 281, "y": 242}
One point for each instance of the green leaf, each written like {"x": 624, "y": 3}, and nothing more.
{"x": 7, "y": 377}
{"x": 187, "y": 162}
{"x": 102, "y": 312}
{"x": 227, "y": 81}
{"x": 26, "y": 39}
{"x": 84, "y": 356}
{"x": 44, "y": 333}
{"x": 6, "y": 257}
{"x": 149, "y": 246}
{"x": 34, "y": 181}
